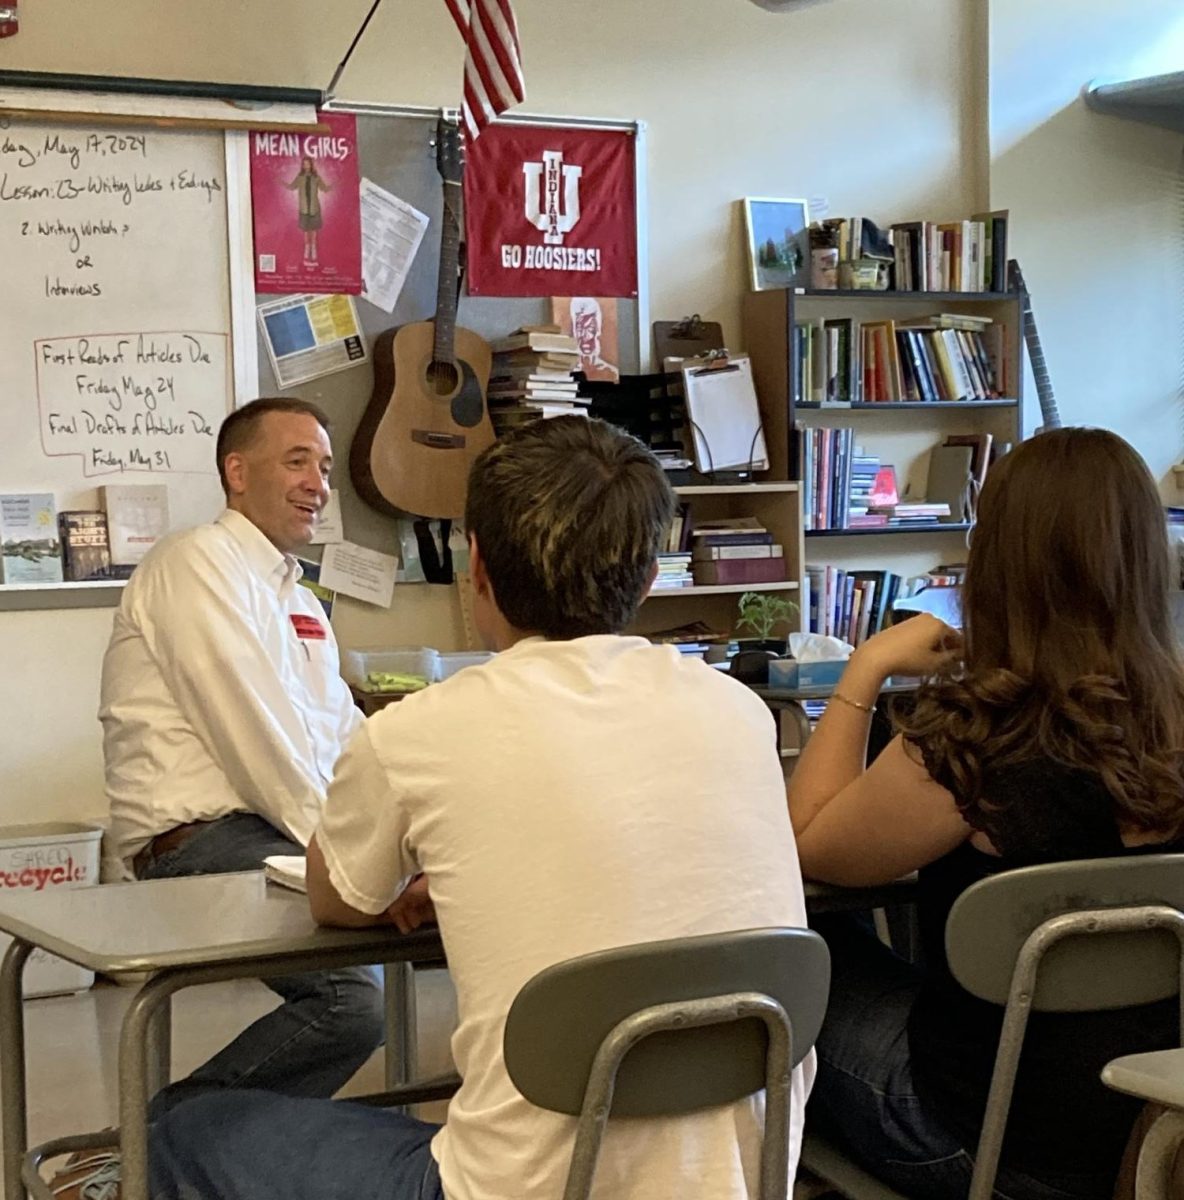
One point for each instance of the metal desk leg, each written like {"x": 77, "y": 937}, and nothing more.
{"x": 160, "y": 1047}
{"x": 401, "y": 1039}
{"x": 142, "y": 1024}
{"x": 15, "y": 1123}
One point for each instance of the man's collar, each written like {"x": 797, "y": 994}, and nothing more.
{"x": 271, "y": 563}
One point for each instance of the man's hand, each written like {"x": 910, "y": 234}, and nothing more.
{"x": 414, "y": 906}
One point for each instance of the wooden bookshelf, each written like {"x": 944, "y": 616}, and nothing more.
{"x": 900, "y": 433}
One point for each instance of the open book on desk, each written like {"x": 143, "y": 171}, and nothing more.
{"x": 287, "y": 870}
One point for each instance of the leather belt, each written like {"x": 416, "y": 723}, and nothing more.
{"x": 171, "y": 839}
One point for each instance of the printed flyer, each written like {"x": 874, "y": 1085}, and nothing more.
{"x": 306, "y": 209}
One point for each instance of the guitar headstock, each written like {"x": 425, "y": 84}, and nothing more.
{"x": 450, "y": 151}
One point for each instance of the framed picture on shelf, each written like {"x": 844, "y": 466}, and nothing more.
{"x": 778, "y": 242}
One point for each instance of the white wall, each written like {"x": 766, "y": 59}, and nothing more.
{"x": 1097, "y": 210}
{"x": 874, "y": 105}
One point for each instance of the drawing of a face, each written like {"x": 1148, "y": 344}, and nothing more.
{"x": 585, "y": 326}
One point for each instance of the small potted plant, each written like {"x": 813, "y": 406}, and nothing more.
{"x": 761, "y": 612}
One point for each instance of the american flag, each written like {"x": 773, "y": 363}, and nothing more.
{"x": 493, "y": 60}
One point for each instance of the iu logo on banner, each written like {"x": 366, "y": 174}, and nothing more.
{"x": 551, "y": 212}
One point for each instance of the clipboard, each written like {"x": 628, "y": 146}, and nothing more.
{"x": 725, "y": 418}
{"x": 688, "y": 338}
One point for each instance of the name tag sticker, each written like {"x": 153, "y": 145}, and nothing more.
{"x": 308, "y": 629}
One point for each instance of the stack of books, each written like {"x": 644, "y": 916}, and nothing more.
{"x": 826, "y": 477}
{"x": 533, "y": 377}
{"x": 842, "y": 487}
{"x": 913, "y": 512}
{"x": 674, "y": 572}
{"x": 692, "y": 640}
{"x": 853, "y": 605}
{"x": 953, "y": 256}
{"x": 865, "y": 472}
{"x": 945, "y": 357}
{"x": 737, "y": 550}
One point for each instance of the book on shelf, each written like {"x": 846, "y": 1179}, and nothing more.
{"x": 674, "y": 571}
{"x": 728, "y": 530}
{"x": 980, "y": 445}
{"x": 694, "y": 633}
{"x": 86, "y": 555}
{"x": 709, "y": 572}
{"x": 914, "y": 512}
{"x": 678, "y": 539}
{"x": 535, "y": 392}
{"x": 524, "y": 376}
{"x": 506, "y": 417}
{"x": 951, "y": 256}
{"x": 29, "y": 535}
{"x": 740, "y": 550}
{"x": 854, "y": 605}
{"x": 548, "y": 341}
{"x": 137, "y": 518}
{"x": 937, "y": 359}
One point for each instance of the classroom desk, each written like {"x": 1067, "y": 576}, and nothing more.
{"x": 203, "y": 929}
{"x": 830, "y": 898}
{"x": 200, "y": 929}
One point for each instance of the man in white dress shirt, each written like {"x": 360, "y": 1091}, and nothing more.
{"x": 223, "y": 716}
{"x": 581, "y": 791}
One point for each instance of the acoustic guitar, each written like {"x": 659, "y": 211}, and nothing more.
{"x": 427, "y": 419}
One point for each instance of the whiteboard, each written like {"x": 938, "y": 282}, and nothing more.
{"x": 116, "y": 355}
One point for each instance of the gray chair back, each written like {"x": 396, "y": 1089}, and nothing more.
{"x": 670, "y": 1027}
{"x": 990, "y": 922}
{"x": 1064, "y": 937}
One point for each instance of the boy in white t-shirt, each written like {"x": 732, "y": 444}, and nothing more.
{"x": 583, "y": 790}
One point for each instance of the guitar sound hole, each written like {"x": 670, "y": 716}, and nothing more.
{"x": 443, "y": 378}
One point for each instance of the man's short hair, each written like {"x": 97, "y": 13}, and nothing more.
{"x": 569, "y": 515}
{"x": 239, "y": 429}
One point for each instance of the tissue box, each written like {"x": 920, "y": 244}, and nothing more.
{"x": 789, "y": 673}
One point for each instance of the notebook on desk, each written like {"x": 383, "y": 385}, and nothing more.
{"x": 288, "y": 870}
{"x": 726, "y": 429}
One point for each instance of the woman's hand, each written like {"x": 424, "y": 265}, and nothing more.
{"x": 920, "y": 645}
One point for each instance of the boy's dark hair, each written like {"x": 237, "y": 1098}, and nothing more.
{"x": 240, "y": 427}
{"x": 569, "y": 515}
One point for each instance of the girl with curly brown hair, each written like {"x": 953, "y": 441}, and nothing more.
{"x": 1051, "y": 729}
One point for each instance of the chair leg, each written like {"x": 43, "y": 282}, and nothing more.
{"x": 1157, "y": 1157}
{"x": 778, "y": 1081}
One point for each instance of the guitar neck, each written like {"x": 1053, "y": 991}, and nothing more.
{"x": 1050, "y": 417}
{"x": 444, "y": 344}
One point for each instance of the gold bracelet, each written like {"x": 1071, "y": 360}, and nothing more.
{"x": 865, "y": 708}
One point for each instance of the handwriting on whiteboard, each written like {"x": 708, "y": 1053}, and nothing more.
{"x": 133, "y": 401}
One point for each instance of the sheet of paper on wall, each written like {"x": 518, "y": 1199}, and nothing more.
{"x": 358, "y": 572}
{"x": 391, "y": 233}
{"x": 329, "y": 526}
{"x": 309, "y": 336}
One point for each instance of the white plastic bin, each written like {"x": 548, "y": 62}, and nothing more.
{"x": 36, "y": 858}
{"x": 403, "y": 660}
{"x": 455, "y": 661}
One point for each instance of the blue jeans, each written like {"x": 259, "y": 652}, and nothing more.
{"x": 262, "y": 1146}
{"x": 330, "y": 1022}
{"x": 864, "y": 1099}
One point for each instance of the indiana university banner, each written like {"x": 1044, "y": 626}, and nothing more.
{"x": 551, "y": 212}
